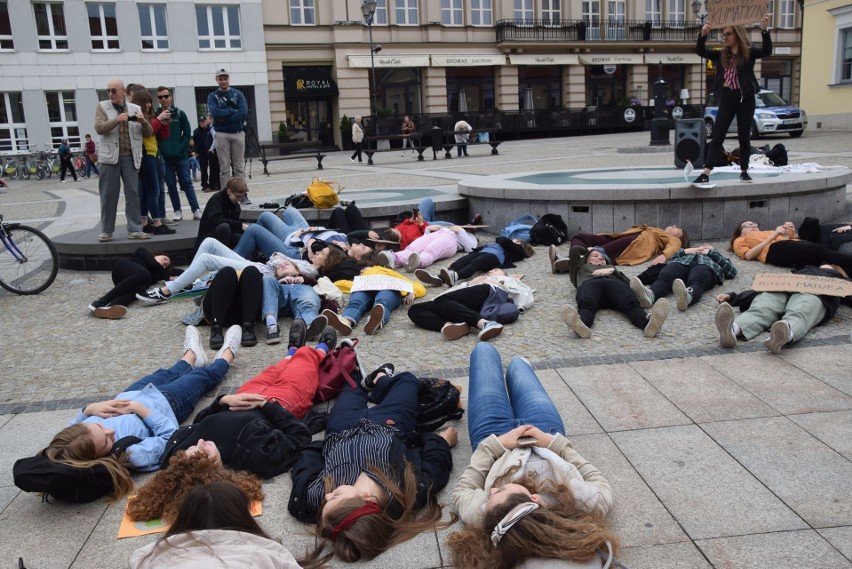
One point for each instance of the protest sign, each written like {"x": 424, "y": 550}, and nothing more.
{"x": 381, "y": 282}
{"x": 811, "y": 284}
{"x": 724, "y": 13}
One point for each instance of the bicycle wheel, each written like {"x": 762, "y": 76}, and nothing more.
{"x": 25, "y": 172}
{"x": 28, "y": 260}
{"x": 39, "y": 173}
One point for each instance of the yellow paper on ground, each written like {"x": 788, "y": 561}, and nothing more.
{"x": 129, "y": 528}
{"x": 810, "y": 284}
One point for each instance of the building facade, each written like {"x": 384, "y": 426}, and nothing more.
{"x": 827, "y": 64}
{"x": 487, "y": 56}
{"x": 57, "y": 56}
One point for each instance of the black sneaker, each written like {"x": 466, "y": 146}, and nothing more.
{"x": 744, "y": 177}
{"x": 328, "y": 337}
{"x": 273, "y": 334}
{"x": 318, "y": 324}
{"x": 249, "y": 337}
{"x": 369, "y": 382}
{"x": 298, "y": 334}
{"x": 702, "y": 179}
{"x": 148, "y": 228}
{"x": 217, "y": 337}
{"x": 162, "y": 230}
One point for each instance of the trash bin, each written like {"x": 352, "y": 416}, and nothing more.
{"x": 437, "y": 141}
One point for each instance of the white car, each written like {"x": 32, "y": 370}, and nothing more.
{"x": 771, "y": 116}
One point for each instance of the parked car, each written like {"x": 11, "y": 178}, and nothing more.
{"x": 771, "y": 116}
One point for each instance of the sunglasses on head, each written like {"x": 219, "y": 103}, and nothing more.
{"x": 113, "y": 91}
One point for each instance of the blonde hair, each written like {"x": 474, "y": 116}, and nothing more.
{"x": 74, "y": 446}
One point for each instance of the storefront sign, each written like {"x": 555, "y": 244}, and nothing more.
{"x": 724, "y": 13}
{"x": 308, "y": 83}
{"x": 389, "y": 60}
{"x": 467, "y": 60}
{"x": 610, "y": 69}
{"x": 556, "y": 59}
{"x": 609, "y": 59}
{"x": 677, "y": 113}
{"x": 671, "y": 58}
{"x": 629, "y": 115}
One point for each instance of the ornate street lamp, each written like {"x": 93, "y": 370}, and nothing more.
{"x": 368, "y": 9}
{"x": 702, "y": 15}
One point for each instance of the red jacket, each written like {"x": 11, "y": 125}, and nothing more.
{"x": 410, "y": 231}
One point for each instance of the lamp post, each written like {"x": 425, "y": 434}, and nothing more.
{"x": 368, "y": 9}
{"x": 696, "y": 9}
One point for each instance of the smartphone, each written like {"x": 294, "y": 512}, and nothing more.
{"x": 132, "y": 118}
{"x": 415, "y": 212}
{"x": 527, "y": 441}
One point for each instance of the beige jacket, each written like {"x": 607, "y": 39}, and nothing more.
{"x": 491, "y": 460}
{"x": 357, "y": 133}
{"x": 652, "y": 241}
{"x": 107, "y": 126}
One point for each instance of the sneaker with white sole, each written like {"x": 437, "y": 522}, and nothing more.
{"x": 779, "y": 336}
{"x": 369, "y": 382}
{"x": 683, "y": 295}
{"x": 177, "y": 216}
{"x": 114, "y": 312}
{"x": 138, "y": 235}
{"x": 449, "y": 277}
{"x": 104, "y": 237}
{"x": 197, "y": 214}
{"x": 153, "y": 296}
{"x": 386, "y": 259}
{"x": 192, "y": 343}
{"x": 232, "y": 341}
{"x": 273, "y": 334}
{"x": 659, "y": 313}
{"x": 412, "y": 262}
{"x": 489, "y": 330}
{"x": 428, "y": 278}
{"x": 338, "y": 322}
{"x": 643, "y": 293}
{"x": 724, "y": 320}
{"x": 571, "y": 318}
{"x": 455, "y": 330}
{"x": 376, "y": 320}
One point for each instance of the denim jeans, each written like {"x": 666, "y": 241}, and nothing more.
{"x": 491, "y": 410}
{"x": 178, "y": 172}
{"x": 149, "y": 187}
{"x": 297, "y": 300}
{"x": 396, "y": 404}
{"x": 182, "y": 385}
{"x": 427, "y": 210}
{"x": 91, "y": 166}
{"x": 257, "y": 238}
{"x": 161, "y": 201}
{"x": 211, "y": 256}
{"x": 362, "y": 301}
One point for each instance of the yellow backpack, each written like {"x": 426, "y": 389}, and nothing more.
{"x": 322, "y": 194}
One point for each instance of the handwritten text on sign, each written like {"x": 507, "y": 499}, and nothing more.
{"x": 725, "y": 13}
{"x": 811, "y": 284}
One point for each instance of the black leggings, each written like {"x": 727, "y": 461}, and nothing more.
{"x": 732, "y": 104}
{"x": 347, "y": 220}
{"x": 800, "y": 253}
{"x": 609, "y": 292}
{"x": 613, "y": 247}
{"x": 462, "y": 305}
{"x": 697, "y": 277}
{"x": 234, "y": 300}
{"x": 128, "y": 278}
{"x": 472, "y": 263}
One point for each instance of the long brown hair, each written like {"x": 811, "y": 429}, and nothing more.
{"x": 216, "y": 505}
{"x": 74, "y": 446}
{"x": 371, "y": 535}
{"x": 145, "y": 102}
{"x": 163, "y": 495}
{"x": 561, "y": 529}
{"x": 738, "y": 231}
{"x": 743, "y": 48}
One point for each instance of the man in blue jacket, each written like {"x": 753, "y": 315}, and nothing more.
{"x": 175, "y": 152}
{"x": 229, "y": 111}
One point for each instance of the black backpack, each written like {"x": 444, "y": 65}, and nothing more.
{"x": 549, "y": 230}
{"x": 438, "y": 402}
{"x": 778, "y": 155}
{"x": 67, "y": 483}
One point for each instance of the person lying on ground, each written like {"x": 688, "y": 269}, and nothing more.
{"x": 131, "y": 276}
{"x": 438, "y": 242}
{"x": 636, "y": 245}
{"x": 835, "y": 236}
{"x": 502, "y": 254}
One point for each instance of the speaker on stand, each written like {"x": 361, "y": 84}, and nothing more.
{"x": 689, "y": 142}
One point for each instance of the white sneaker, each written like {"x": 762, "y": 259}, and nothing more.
{"x": 683, "y": 295}
{"x": 387, "y": 259}
{"x": 177, "y": 216}
{"x": 659, "y": 313}
{"x": 571, "y": 318}
{"x": 192, "y": 343}
{"x": 232, "y": 341}
{"x": 196, "y": 214}
{"x": 643, "y": 293}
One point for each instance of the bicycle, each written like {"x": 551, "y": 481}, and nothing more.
{"x": 31, "y": 167}
{"x": 28, "y": 260}
{"x": 80, "y": 165}
{"x": 14, "y": 168}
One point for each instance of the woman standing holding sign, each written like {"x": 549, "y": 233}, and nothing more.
{"x": 736, "y": 91}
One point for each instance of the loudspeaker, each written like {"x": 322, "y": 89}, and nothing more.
{"x": 689, "y": 142}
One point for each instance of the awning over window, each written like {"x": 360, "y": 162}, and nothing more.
{"x": 612, "y": 59}
{"x": 389, "y": 60}
{"x": 544, "y": 59}
{"x": 309, "y": 83}
{"x": 671, "y": 58}
{"x": 467, "y": 60}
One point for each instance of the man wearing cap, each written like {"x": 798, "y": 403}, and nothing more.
{"x": 229, "y": 111}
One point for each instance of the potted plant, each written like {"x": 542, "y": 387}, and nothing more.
{"x": 346, "y": 133}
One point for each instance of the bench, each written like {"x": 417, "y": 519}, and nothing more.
{"x": 313, "y": 146}
{"x": 451, "y": 134}
{"x": 414, "y": 137}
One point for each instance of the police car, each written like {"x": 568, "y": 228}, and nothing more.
{"x": 771, "y": 116}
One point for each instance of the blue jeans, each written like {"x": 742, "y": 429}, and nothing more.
{"x": 362, "y": 301}
{"x": 91, "y": 166}
{"x": 396, "y": 404}
{"x": 149, "y": 187}
{"x": 161, "y": 172}
{"x": 211, "y": 256}
{"x": 178, "y": 171}
{"x": 427, "y": 210}
{"x": 258, "y": 238}
{"x": 491, "y": 411}
{"x": 194, "y": 165}
{"x": 291, "y": 220}
{"x": 297, "y": 300}
{"x": 182, "y": 385}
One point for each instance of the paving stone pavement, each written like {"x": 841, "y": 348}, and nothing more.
{"x": 717, "y": 458}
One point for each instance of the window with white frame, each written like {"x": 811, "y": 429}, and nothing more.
{"x": 302, "y": 13}
{"x": 218, "y": 27}
{"x": 846, "y": 56}
{"x": 771, "y": 11}
{"x": 13, "y": 125}
{"x": 50, "y": 26}
{"x": 616, "y": 14}
{"x": 523, "y": 10}
{"x": 480, "y": 13}
{"x": 551, "y": 11}
{"x": 652, "y": 12}
{"x": 451, "y": 12}
{"x": 677, "y": 13}
{"x": 62, "y": 117}
{"x": 406, "y": 12}
{"x": 103, "y": 26}
{"x": 592, "y": 18}
{"x": 6, "y": 40}
{"x": 155, "y": 30}
{"x": 842, "y": 57}
{"x": 380, "y": 18}
{"x": 787, "y": 14}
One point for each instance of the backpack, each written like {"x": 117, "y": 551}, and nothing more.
{"x": 64, "y": 482}
{"x": 322, "y": 194}
{"x": 549, "y": 230}
{"x": 338, "y": 371}
{"x": 438, "y": 401}
{"x": 778, "y": 155}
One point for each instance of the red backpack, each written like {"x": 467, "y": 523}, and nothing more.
{"x": 338, "y": 371}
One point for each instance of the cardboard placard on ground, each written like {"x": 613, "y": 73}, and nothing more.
{"x": 811, "y": 284}
{"x": 381, "y": 282}
{"x": 129, "y": 528}
{"x": 724, "y": 13}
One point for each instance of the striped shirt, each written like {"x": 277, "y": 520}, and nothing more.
{"x": 731, "y": 80}
{"x": 349, "y": 453}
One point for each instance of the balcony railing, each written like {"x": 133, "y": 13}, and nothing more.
{"x": 597, "y": 30}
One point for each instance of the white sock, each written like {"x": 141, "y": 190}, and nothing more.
{"x": 735, "y": 328}
{"x": 789, "y": 334}
{"x": 270, "y": 320}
